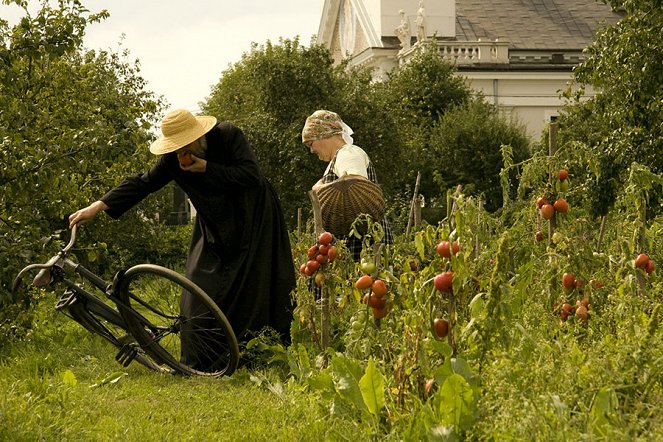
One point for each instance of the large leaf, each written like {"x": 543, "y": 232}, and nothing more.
{"x": 603, "y": 412}
{"x": 372, "y": 388}
{"x": 347, "y": 374}
{"x": 457, "y": 403}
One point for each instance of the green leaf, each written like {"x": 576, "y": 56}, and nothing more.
{"x": 419, "y": 245}
{"x": 442, "y": 347}
{"x": 322, "y": 381}
{"x": 69, "y": 378}
{"x": 347, "y": 373}
{"x": 603, "y": 412}
{"x": 372, "y": 388}
{"x": 457, "y": 403}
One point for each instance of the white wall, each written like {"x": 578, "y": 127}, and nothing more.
{"x": 531, "y": 98}
{"x": 440, "y": 16}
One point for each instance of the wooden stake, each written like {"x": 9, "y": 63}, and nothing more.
{"x": 410, "y": 218}
{"x": 324, "y": 296}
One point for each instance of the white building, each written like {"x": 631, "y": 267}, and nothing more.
{"x": 519, "y": 53}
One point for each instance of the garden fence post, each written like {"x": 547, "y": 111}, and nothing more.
{"x": 324, "y": 296}
{"x": 410, "y": 218}
{"x": 552, "y": 149}
{"x": 299, "y": 224}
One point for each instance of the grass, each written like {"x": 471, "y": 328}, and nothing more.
{"x": 63, "y": 384}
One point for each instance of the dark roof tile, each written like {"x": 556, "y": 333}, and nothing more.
{"x": 533, "y": 24}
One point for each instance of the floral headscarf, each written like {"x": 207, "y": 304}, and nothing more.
{"x": 324, "y": 124}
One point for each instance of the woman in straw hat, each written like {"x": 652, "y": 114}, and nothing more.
{"x": 327, "y": 136}
{"x": 240, "y": 250}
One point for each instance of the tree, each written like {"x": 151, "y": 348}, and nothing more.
{"x": 622, "y": 123}
{"x": 466, "y": 148}
{"x": 72, "y": 124}
{"x": 270, "y": 92}
{"x": 417, "y": 95}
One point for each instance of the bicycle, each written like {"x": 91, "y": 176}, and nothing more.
{"x": 147, "y": 324}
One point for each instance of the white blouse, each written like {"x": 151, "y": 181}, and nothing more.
{"x": 350, "y": 160}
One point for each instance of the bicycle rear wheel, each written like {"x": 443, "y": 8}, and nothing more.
{"x": 176, "y": 322}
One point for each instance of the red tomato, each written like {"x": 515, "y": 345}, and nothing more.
{"x": 541, "y": 201}
{"x": 539, "y": 236}
{"x": 325, "y": 238}
{"x": 444, "y": 281}
{"x": 323, "y": 250}
{"x": 561, "y": 205}
{"x": 642, "y": 260}
{"x": 321, "y": 258}
{"x": 441, "y": 327}
{"x": 563, "y": 174}
{"x": 312, "y": 251}
{"x": 566, "y": 311}
{"x": 313, "y": 265}
{"x": 582, "y": 313}
{"x": 184, "y": 159}
{"x": 444, "y": 249}
{"x": 379, "y": 313}
{"x": 302, "y": 268}
{"x": 379, "y": 288}
{"x": 547, "y": 211}
{"x": 331, "y": 253}
{"x": 455, "y": 247}
{"x": 568, "y": 280}
{"x": 374, "y": 301}
{"x": 364, "y": 282}
{"x": 650, "y": 266}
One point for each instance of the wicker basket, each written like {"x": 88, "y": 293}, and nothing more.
{"x": 346, "y": 198}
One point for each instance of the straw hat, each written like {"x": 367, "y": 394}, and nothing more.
{"x": 179, "y": 128}
{"x": 344, "y": 199}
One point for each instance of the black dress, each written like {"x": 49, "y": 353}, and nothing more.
{"x": 240, "y": 249}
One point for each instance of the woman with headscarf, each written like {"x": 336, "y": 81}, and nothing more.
{"x": 327, "y": 136}
{"x": 240, "y": 249}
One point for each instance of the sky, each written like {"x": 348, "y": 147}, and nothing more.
{"x": 184, "y": 46}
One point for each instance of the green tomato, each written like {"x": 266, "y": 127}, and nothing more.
{"x": 564, "y": 185}
{"x": 557, "y": 237}
{"x": 357, "y": 325}
{"x": 368, "y": 267}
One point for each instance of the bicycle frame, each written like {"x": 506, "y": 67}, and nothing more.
{"x": 78, "y": 301}
{"x": 142, "y": 337}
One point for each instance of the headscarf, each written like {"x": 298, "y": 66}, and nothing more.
{"x": 324, "y": 124}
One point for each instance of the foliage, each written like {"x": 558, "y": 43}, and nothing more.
{"x": 417, "y": 95}
{"x": 622, "y": 123}
{"x": 466, "y": 148}
{"x": 510, "y": 361}
{"x": 270, "y": 92}
{"x": 274, "y": 87}
{"x": 73, "y": 123}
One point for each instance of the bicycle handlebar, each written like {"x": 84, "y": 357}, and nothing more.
{"x": 72, "y": 239}
{"x": 60, "y": 257}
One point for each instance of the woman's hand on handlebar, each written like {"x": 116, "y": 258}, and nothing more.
{"x": 86, "y": 214}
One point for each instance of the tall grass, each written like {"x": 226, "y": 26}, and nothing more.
{"x": 63, "y": 384}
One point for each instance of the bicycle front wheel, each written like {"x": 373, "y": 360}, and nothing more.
{"x": 176, "y": 322}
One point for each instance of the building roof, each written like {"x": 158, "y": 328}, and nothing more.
{"x": 533, "y": 24}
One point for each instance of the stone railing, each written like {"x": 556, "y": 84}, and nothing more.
{"x": 467, "y": 52}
